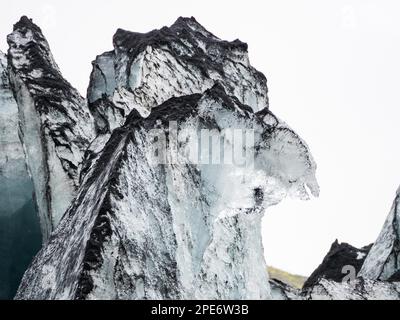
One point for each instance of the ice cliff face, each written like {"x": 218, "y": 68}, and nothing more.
{"x": 54, "y": 122}
{"x": 146, "y": 69}
{"x": 182, "y": 229}
{"x": 383, "y": 261}
{"x": 15, "y": 186}
{"x": 186, "y": 225}
{"x": 283, "y": 291}
{"x": 156, "y": 186}
{"x": 19, "y": 232}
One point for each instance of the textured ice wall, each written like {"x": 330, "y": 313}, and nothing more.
{"x": 146, "y": 69}
{"x": 133, "y": 231}
{"x": 138, "y": 230}
{"x": 15, "y": 185}
{"x": 383, "y": 260}
{"x": 55, "y": 124}
{"x": 20, "y": 237}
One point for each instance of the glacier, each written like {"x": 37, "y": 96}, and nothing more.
{"x": 154, "y": 185}
{"x": 55, "y": 124}
{"x": 126, "y": 238}
{"x": 357, "y": 289}
{"x": 15, "y": 186}
{"x": 131, "y": 230}
{"x": 20, "y": 236}
{"x": 343, "y": 260}
{"x": 383, "y": 261}
{"x": 146, "y": 69}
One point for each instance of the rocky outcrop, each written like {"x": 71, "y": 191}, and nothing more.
{"x": 342, "y": 262}
{"x": 54, "y": 122}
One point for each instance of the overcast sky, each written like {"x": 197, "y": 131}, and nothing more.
{"x": 333, "y": 69}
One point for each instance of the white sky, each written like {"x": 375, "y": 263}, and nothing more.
{"x": 333, "y": 69}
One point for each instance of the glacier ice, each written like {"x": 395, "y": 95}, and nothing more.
{"x": 383, "y": 261}
{"x": 147, "y": 69}
{"x": 139, "y": 230}
{"x": 20, "y": 240}
{"x": 20, "y": 237}
{"x": 357, "y": 289}
{"x": 129, "y": 232}
{"x": 55, "y": 124}
{"x": 117, "y": 224}
{"x": 15, "y": 186}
